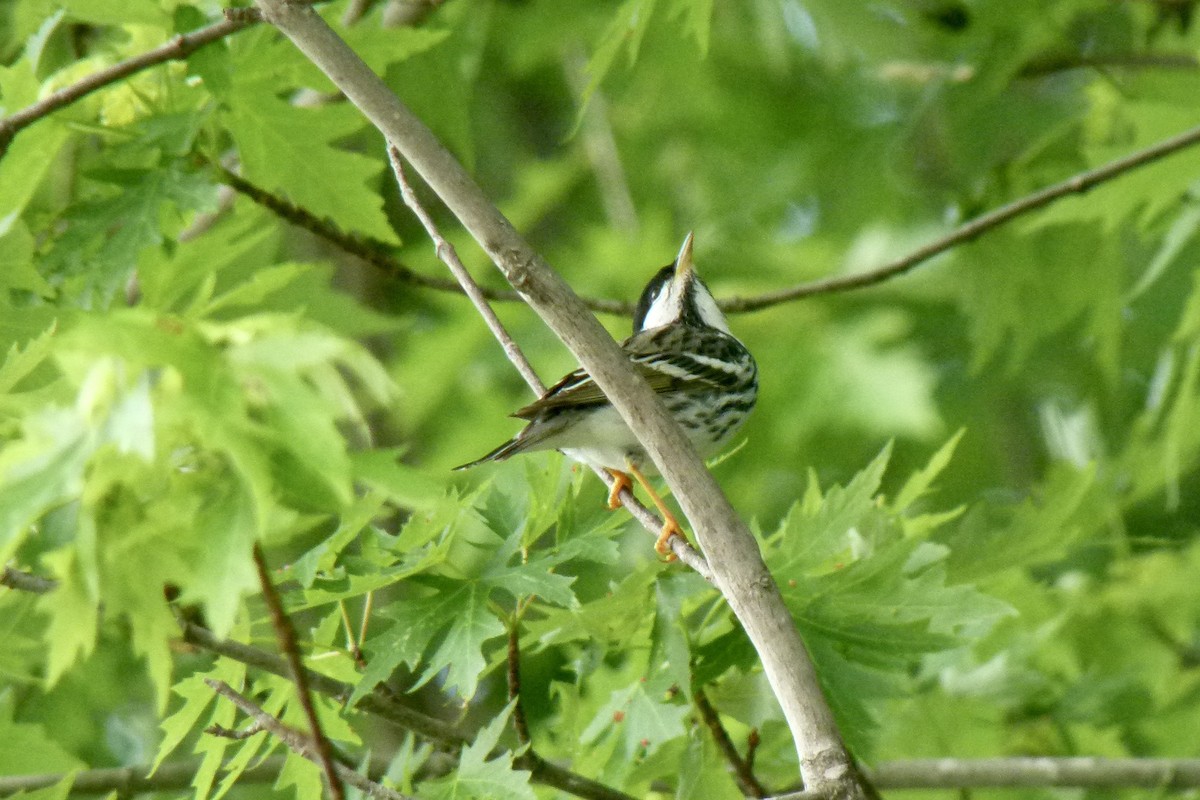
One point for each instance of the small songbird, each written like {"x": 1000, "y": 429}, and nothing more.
{"x": 682, "y": 346}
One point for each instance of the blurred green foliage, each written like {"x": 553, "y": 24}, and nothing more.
{"x": 183, "y": 373}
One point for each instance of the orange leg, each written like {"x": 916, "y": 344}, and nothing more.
{"x": 670, "y": 524}
{"x": 620, "y": 481}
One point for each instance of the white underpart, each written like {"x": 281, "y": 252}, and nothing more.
{"x": 602, "y": 439}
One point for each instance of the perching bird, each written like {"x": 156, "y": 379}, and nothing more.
{"x": 682, "y": 346}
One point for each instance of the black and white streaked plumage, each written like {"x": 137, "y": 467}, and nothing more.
{"x": 682, "y": 346}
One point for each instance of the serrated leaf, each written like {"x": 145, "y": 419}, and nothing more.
{"x": 921, "y": 480}
{"x": 477, "y": 777}
{"x": 19, "y": 362}
{"x": 808, "y": 540}
{"x": 704, "y": 772}
{"x": 643, "y": 716}
{"x": 290, "y": 150}
{"x": 459, "y": 613}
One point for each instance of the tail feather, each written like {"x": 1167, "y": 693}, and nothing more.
{"x": 511, "y": 447}
{"x": 539, "y": 435}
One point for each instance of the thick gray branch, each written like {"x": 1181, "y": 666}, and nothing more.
{"x": 737, "y": 565}
{"x": 1090, "y": 773}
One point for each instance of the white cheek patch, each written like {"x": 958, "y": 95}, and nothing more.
{"x": 666, "y": 308}
{"x": 710, "y": 314}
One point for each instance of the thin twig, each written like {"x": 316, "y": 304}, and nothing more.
{"x": 383, "y": 705}
{"x": 1050, "y": 64}
{"x": 520, "y": 724}
{"x": 26, "y": 581}
{"x": 445, "y": 251}
{"x": 740, "y": 572}
{"x": 742, "y": 773}
{"x": 129, "y": 781}
{"x": 253, "y": 729}
{"x": 377, "y": 703}
{"x": 178, "y": 48}
{"x": 302, "y": 745}
{"x": 375, "y": 252}
{"x": 543, "y": 771}
{"x": 1076, "y": 184}
{"x": 291, "y": 651}
{"x": 449, "y": 256}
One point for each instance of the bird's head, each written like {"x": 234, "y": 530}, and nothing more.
{"x": 676, "y": 295}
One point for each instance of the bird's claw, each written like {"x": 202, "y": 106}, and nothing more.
{"x": 621, "y": 482}
{"x": 662, "y": 545}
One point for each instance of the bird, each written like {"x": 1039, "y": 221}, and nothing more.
{"x": 682, "y": 346}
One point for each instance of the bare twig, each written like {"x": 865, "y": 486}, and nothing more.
{"x": 383, "y": 705}
{"x": 179, "y": 47}
{"x": 128, "y": 781}
{"x": 374, "y": 252}
{"x": 447, "y": 254}
{"x": 731, "y": 550}
{"x": 26, "y": 581}
{"x": 1050, "y": 64}
{"x": 542, "y": 771}
{"x": 253, "y": 729}
{"x": 377, "y": 703}
{"x": 520, "y": 725}
{"x": 1076, "y": 184}
{"x": 947, "y": 773}
{"x": 302, "y": 745}
{"x": 742, "y": 772}
{"x": 291, "y": 651}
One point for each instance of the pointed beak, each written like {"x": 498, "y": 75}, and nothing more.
{"x": 683, "y": 262}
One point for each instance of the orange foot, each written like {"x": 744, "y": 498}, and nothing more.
{"x": 621, "y": 481}
{"x": 662, "y": 545}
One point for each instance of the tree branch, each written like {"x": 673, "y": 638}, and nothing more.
{"x": 26, "y": 581}
{"x": 178, "y": 48}
{"x": 731, "y": 550}
{"x": 286, "y": 635}
{"x": 449, "y": 256}
{"x": 1077, "y": 184}
{"x": 127, "y": 781}
{"x": 746, "y": 780}
{"x": 1088, "y": 773}
{"x": 374, "y": 252}
{"x": 383, "y": 705}
{"x": 513, "y": 658}
{"x": 300, "y": 744}
{"x": 938, "y": 773}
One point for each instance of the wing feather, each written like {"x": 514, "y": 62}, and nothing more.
{"x": 667, "y": 366}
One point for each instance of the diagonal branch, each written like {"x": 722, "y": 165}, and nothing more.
{"x": 26, "y": 581}
{"x": 322, "y": 751}
{"x": 304, "y": 746}
{"x": 178, "y": 48}
{"x": 448, "y": 255}
{"x": 732, "y": 552}
{"x": 383, "y": 705}
{"x": 742, "y": 771}
{"x": 1076, "y": 184}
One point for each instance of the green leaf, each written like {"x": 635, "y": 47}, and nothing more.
{"x": 25, "y": 748}
{"x": 460, "y": 613}
{"x": 810, "y": 539}
{"x": 920, "y": 481}
{"x": 481, "y": 778}
{"x": 290, "y": 150}
{"x": 704, "y": 772}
